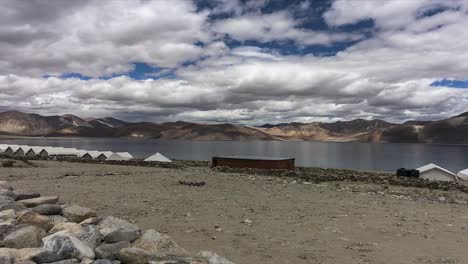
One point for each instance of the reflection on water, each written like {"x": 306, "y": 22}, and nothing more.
{"x": 350, "y": 155}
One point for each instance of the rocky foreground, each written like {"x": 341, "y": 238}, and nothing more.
{"x": 37, "y": 229}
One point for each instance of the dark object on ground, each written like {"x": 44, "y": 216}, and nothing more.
{"x": 402, "y": 172}
{"x": 198, "y": 184}
{"x": 8, "y": 163}
{"x": 268, "y": 163}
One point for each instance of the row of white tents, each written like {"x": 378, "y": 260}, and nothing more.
{"x": 434, "y": 172}
{"x": 45, "y": 152}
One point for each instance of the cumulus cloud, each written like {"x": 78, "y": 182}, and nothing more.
{"x": 387, "y": 74}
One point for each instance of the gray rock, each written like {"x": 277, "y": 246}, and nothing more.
{"x": 77, "y": 214}
{"x": 69, "y": 228}
{"x": 111, "y": 251}
{"x": 61, "y": 247}
{"x": 57, "y": 219}
{"x": 134, "y": 256}
{"x": 22, "y": 194}
{"x": 48, "y": 209}
{"x": 90, "y": 235}
{"x": 102, "y": 261}
{"x": 157, "y": 243}
{"x": 6, "y": 228}
{"x": 20, "y": 255}
{"x": 213, "y": 258}
{"x": 35, "y": 219}
{"x": 91, "y": 221}
{"x": 26, "y": 237}
{"x": 115, "y": 230}
{"x": 9, "y": 203}
{"x": 7, "y": 215}
{"x": 67, "y": 261}
{"x": 8, "y": 193}
{"x": 5, "y": 185}
{"x": 39, "y": 200}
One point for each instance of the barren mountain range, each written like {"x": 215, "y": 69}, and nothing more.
{"x": 448, "y": 131}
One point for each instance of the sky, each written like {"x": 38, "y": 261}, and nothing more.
{"x": 237, "y": 61}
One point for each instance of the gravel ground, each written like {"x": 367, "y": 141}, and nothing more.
{"x": 263, "y": 219}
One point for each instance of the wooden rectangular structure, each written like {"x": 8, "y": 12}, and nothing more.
{"x": 268, "y": 163}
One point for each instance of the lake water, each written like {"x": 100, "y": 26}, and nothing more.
{"x": 349, "y": 155}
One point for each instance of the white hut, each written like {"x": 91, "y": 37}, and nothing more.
{"x": 158, "y": 157}
{"x": 463, "y": 175}
{"x": 116, "y": 156}
{"x": 91, "y": 155}
{"x": 58, "y": 152}
{"x": 11, "y": 149}
{"x": 21, "y": 151}
{"x": 33, "y": 151}
{"x": 433, "y": 172}
{"x": 126, "y": 155}
{"x": 105, "y": 155}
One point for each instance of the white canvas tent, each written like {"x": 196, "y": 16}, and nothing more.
{"x": 21, "y": 151}
{"x": 105, "y": 155}
{"x": 116, "y": 156}
{"x": 125, "y": 155}
{"x": 91, "y": 155}
{"x": 463, "y": 175}
{"x": 33, "y": 151}
{"x": 433, "y": 172}
{"x": 11, "y": 149}
{"x": 158, "y": 157}
{"x": 58, "y": 151}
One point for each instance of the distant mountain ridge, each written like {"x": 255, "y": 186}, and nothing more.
{"x": 453, "y": 130}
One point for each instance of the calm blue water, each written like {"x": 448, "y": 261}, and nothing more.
{"x": 351, "y": 155}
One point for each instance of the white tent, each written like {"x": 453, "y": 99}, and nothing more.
{"x": 58, "y": 151}
{"x": 116, "y": 156}
{"x": 158, "y": 157}
{"x": 125, "y": 155}
{"x": 33, "y": 151}
{"x": 463, "y": 175}
{"x": 91, "y": 154}
{"x": 21, "y": 151}
{"x": 11, "y": 149}
{"x": 433, "y": 172}
{"x": 105, "y": 155}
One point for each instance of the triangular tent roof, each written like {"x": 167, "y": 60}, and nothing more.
{"x": 463, "y": 174}
{"x": 125, "y": 155}
{"x": 158, "y": 157}
{"x": 432, "y": 166}
{"x": 116, "y": 156}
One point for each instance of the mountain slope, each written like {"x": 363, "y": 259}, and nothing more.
{"x": 448, "y": 131}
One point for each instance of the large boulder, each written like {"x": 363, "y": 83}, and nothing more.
{"x": 115, "y": 230}
{"x": 35, "y": 219}
{"x": 157, "y": 243}
{"x": 22, "y": 194}
{"x": 61, "y": 247}
{"x": 19, "y": 255}
{"x": 48, "y": 209}
{"x": 77, "y": 214}
{"x": 134, "y": 256}
{"x": 26, "y": 237}
{"x": 39, "y": 200}
{"x": 213, "y": 258}
{"x": 70, "y": 228}
{"x": 90, "y": 236}
{"x": 57, "y": 219}
{"x": 7, "y": 227}
{"x": 111, "y": 251}
{"x": 9, "y": 203}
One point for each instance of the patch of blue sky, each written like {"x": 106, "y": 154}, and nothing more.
{"x": 451, "y": 83}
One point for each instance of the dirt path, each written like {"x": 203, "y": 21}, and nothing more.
{"x": 260, "y": 219}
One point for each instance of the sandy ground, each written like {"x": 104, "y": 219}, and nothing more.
{"x": 291, "y": 222}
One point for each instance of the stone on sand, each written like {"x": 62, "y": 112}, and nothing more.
{"x": 39, "y": 201}
{"x": 77, "y": 214}
{"x": 157, "y": 243}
